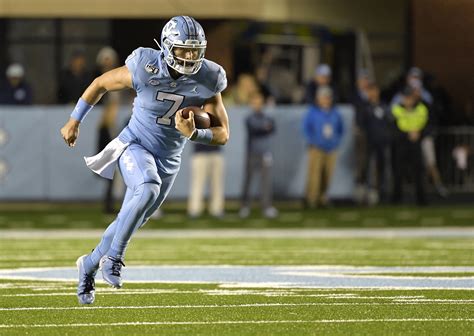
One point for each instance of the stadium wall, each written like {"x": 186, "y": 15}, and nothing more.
{"x": 35, "y": 164}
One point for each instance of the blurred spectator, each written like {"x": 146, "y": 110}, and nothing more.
{"x": 323, "y": 130}
{"x": 322, "y": 77}
{"x": 207, "y": 162}
{"x": 241, "y": 92}
{"x": 377, "y": 124}
{"x": 428, "y": 143}
{"x": 414, "y": 79}
{"x": 283, "y": 84}
{"x": 360, "y": 100}
{"x": 360, "y": 95}
{"x": 411, "y": 118}
{"x": 107, "y": 59}
{"x": 15, "y": 90}
{"x": 261, "y": 74}
{"x": 260, "y": 128}
{"x": 74, "y": 79}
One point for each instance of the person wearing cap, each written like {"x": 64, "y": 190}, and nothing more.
{"x": 414, "y": 79}
{"x": 323, "y": 130}
{"x": 322, "y": 77}
{"x": 15, "y": 90}
{"x": 411, "y": 120}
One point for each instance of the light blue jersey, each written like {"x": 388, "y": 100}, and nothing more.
{"x": 158, "y": 98}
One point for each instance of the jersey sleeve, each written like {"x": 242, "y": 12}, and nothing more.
{"x": 221, "y": 81}
{"x": 132, "y": 62}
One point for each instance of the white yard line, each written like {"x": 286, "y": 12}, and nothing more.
{"x": 460, "y": 232}
{"x": 305, "y": 276}
{"x": 250, "y": 305}
{"x": 115, "y": 324}
{"x": 433, "y": 300}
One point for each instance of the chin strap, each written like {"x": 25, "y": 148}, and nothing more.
{"x": 158, "y": 44}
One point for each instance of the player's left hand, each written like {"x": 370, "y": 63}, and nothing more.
{"x": 185, "y": 126}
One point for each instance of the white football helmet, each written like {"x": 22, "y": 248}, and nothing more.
{"x": 186, "y": 33}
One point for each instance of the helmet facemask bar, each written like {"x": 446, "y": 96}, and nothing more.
{"x": 184, "y": 65}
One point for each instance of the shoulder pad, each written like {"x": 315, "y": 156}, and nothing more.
{"x": 213, "y": 76}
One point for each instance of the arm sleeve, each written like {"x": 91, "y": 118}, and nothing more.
{"x": 132, "y": 62}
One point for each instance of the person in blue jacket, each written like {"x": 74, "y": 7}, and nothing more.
{"x": 323, "y": 130}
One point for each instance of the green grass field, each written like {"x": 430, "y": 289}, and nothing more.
{"x": 39, "y": 307}
{"x": 61, "y": 216}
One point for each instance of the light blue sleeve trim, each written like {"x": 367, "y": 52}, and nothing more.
{"x": 203, "y": 136}
{"x": 81, "y": 110}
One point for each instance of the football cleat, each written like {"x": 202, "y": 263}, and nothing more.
{"x": 111, "y": 270}
{"x": 86, "y": 284}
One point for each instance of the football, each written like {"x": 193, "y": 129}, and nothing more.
{"x": 201, "y": 118}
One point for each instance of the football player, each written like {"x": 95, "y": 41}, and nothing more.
{"x": 148, "y": 150}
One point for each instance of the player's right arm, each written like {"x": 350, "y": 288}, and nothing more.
{"x": 114, "y": 80}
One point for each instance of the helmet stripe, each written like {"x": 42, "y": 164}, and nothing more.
{"x": 191, "y": 28}
{"x": 195, "y": 29}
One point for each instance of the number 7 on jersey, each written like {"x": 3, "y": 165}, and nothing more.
{"x": 176, "y": 99}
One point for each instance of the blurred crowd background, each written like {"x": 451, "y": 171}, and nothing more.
{"x": 374, "y": 99}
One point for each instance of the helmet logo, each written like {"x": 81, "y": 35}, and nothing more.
{"x": 170, "y": 29}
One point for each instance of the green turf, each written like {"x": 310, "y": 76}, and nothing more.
{"x": 249, "y": 251}
{"x": 208, "y": 309}
{"x": 60, "y": 216}
{"x": 235, "y": 311}
{"x": 211, "y": 309}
